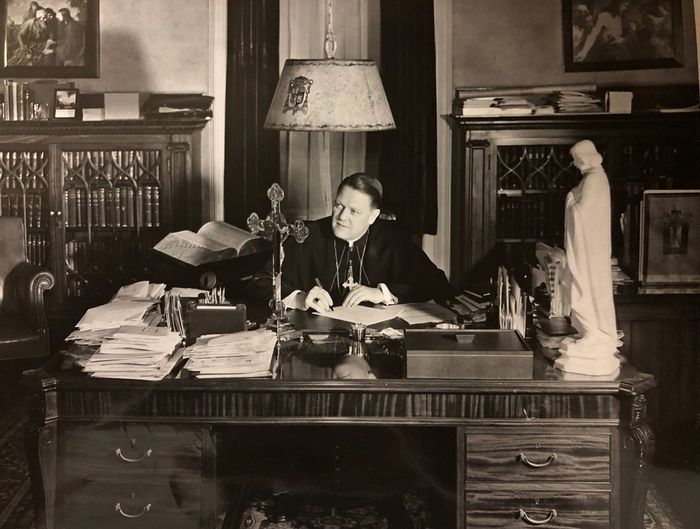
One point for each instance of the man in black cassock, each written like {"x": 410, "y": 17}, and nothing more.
{"x": 353, "y": 257}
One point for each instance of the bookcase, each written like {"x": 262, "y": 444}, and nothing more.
{"x": 510, "y": 177}
{"x": 96, "y": 197}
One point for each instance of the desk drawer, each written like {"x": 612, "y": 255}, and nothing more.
{"x": 551, "y": 457}
{"x": 130, "y": 449}
{"x": 131, "y": 506}
{"x": 522, "y": 509}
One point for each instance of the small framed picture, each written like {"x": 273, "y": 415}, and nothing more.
{"x": 670, "y": 237}
{"x": 66, "y": 103}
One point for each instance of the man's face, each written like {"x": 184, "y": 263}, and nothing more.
{"x": 40, "y": 15}
{"x": 352, "y": 214}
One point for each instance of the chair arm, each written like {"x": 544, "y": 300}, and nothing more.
{"x": 26, "y": 284}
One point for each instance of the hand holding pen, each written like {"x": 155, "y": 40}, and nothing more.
{"x": 318, "y": 298}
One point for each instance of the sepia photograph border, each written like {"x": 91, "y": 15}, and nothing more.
{"x": 636, "y": 64}
{"x": 91, "y": 68}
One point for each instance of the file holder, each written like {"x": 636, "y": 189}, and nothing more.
{"x": 216, "y": 319}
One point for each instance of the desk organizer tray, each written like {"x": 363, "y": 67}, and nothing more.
{"x": 467, "y": 354}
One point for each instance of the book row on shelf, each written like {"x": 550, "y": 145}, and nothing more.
{"x": 30, "y": 207}
{"x": 29, "y": 100}
{"x": 106, "y": 207}
{"x": 37, "y": 249}
{"x": 525, "y": 219}
{"x": 84, "y": 257}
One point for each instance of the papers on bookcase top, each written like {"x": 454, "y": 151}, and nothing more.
{"x": 233, "y": 355}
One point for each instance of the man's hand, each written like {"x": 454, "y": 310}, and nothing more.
{"x": 319, "y": 300}
{"x": 363, "y": 293}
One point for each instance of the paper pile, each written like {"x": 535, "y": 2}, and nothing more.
{"x": 141, "y": 290}
{"x": 234, "y": 355}
{"x": 131, "y": 305}
{"x": 136, "y": 352}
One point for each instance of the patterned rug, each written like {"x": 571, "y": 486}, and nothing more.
{"x": 16, "y": 508}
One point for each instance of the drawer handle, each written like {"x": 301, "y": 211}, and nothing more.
{"x": 526, "y": 517}
{"x": 145, "y": 455}
{"x": 525, "y": 461}
{"x": 118, "y": 508}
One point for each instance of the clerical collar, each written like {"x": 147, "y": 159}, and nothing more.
{"x": 352, "y": 243}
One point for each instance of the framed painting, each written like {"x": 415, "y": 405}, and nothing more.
{"x": 622, "y": 34}
{"x": 670, "y": 237}
{"x": 49, "y": 38}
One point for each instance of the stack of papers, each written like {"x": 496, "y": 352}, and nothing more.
{"x": 130, "y": 306}
{"x": 233, "y": 355}
{"x": 411, "y": 313}
{"x": 577, "y": 102}
{"x": 137, "y": 353}
{"x": 141, "y": 290}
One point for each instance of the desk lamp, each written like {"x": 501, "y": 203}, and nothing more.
{"x": 324, "y": 95}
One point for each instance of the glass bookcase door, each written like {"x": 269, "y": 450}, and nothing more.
{"x": 112, "y": 217}
{"x": 24, "y": 193}
{"x": 532, "y": 183}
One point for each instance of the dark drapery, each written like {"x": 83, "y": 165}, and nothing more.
{"x": 408, "y": 157}
{"x": 252, "y": 154}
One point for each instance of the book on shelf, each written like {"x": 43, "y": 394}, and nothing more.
{"x": 215, "y": 241}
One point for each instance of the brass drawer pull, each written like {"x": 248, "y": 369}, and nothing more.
{"x": 522, "y": 458}
{"x": 526, "y": 518}
{"x": 118, "y": 508}
{"x": 145, "y": 455}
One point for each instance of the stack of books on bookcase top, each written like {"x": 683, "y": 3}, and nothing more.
{"x": 497, "y": 106}
{"x": 476, "y": 298}
{"x": 32, "y": 100}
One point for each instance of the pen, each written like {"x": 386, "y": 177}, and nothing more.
{"x": 319, "y": 285}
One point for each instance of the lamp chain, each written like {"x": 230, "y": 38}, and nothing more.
{"x": 330, "y": 44}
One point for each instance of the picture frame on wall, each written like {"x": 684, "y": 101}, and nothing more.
{"x": 49, "y": 38}
{"x": 670, "y": 237}
{"x": 66, "y": 103}
{"x": 622, "y": 34}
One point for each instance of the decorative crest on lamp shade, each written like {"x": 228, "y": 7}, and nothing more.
{"x": 329, "y": 94}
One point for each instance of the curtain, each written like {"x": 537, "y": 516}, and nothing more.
{"x": 408, "y": 160}
{"x": 251, "y": 162}
{"x": 312, "y": 164}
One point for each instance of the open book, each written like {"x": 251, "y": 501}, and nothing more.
{"x": 214, "y": 241}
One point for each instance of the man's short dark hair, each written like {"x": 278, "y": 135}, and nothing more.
{"x": 366, "y": 184}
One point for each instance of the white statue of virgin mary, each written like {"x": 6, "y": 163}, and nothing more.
{"x": 588, "y": 251}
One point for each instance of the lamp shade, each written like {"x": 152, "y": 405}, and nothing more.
{"x": 329, "y": 94}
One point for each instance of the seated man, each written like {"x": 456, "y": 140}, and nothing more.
{"x": 353, "y": 257}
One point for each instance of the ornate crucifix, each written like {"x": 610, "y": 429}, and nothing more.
{"x": 274, "y": 228}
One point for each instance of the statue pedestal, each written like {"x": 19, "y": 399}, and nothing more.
{"x": 588, "y": 357}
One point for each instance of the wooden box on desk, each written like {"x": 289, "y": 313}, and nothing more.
{"x": 467, "y": 354}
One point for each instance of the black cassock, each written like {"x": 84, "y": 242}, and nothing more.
{"x": 385, "y": 254}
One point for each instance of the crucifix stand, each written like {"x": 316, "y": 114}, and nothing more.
{"x": 275, "y": 228}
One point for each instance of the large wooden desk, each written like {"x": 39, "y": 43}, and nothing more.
{"x": 109, "y": 453}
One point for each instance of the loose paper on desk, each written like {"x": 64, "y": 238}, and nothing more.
{"x": 140, "y": 290}
{"x": 136, "y": 352}
{"x": 430, "y": 312}
{"x": 232, "y": 355}
{"x": 362, "y": 314}
{"x": 114, "y": 314}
